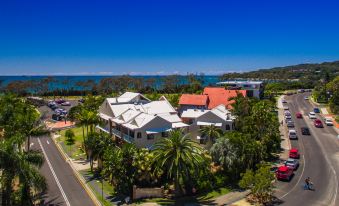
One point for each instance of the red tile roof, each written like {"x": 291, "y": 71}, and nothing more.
{"x": 219, "y": 95}
{"x": 213, "y": 96}
{"x": 213, "y": 90}
{"x": 193, "y": 99}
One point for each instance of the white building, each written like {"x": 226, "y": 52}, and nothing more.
{"x": 198, "y": 118}
{"x": 253, "y": 88}
{"x": 134, "y": 118}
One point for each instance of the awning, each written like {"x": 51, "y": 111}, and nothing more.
{"x": 208, "y": 124}
{"x": 179, "y": 124}
{"x": 199, "y": 137}
{"x": 157, "y": 130}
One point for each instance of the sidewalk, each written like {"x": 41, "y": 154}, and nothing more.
{"x": 231, "y": 198}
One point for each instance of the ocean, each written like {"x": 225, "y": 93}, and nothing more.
{"x": 64, "y": 82}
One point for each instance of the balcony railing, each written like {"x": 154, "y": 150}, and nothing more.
{"x": 123, "y": 136}
{"x": 103, "y": 128}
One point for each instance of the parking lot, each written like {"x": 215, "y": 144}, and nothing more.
{"x": 47, "y": 112}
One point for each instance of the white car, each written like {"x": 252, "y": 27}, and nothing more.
{"x": 66, "y": 104}
{"x": 286, "y": 108}
{"x": 283, "y": 101}
{"x": 311, "y": 115}
{"x": 292, "y": 134}
{"x": 329, "y": 122}
{"x": 306, "y": 98}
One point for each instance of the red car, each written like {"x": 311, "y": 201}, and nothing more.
{"x": 318, "y": 123}
{"x": 284, "y": 173}
{"x": 294, "y": 153}
{"x": 298, "y": 115}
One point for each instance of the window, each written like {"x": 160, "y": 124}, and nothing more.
{"x": 139, "y": 135}
{"x": 150, "y": 136}
{"x": 228, "y": 127}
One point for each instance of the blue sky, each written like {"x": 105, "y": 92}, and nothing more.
{"x": 164, "y": 36}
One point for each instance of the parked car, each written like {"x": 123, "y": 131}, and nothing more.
{"x": 292, "y": 134}
{"x": 284, "y": 173}
{"x": 60, "y": 111}
{"x": 306, "y": 98}
{"x": 287, "y": 112}
{"x": 60, "y": 101}
{"x": 56, "y": 117}
{"x": 294, "y": 153}
{"x": 318, "y": 123}
{"x": 301, "y": 91}
{"x": 66, "y": 104}
{"x": 292, "y": 163}
{"x": 81, "y": 100}
{"x": 311, "y": 115}
{"x": 298, "y": 115}
{"x": 316, "y": 110}
{"x": 305, "y": 131}
{"x": 328, "y": 121}
{"x": 288, "y": 118}
{"x": 283, "y": 101}
{"x": 290, "y": 123}
{"x": 286, "y": 108}
{"x": 51, "y": 103}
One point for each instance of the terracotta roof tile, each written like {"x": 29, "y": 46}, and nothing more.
{"x": 193, "y": 99}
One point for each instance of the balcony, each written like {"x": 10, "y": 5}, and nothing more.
{"x": 123, "y": 136}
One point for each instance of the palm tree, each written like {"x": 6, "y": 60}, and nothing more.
{"x": 211, "y": 131}
{"x": 23, "y": 167}
{"x": 179, "y": 157}
{"x": 112, "y": 164}
{"x": 224, "y": 153}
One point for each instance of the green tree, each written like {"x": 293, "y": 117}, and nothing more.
{"x": 211, "y": 131}
{"x": 24, "y": 167}
{"x": 69, "y": 134}
{"x": 260, "y": 183}
{"x": 224, "y": 153}
{"x": 179, "y": 157}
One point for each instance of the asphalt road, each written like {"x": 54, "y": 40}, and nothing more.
{"x": 319, "y": 160}
{"x": 63, "y": 187}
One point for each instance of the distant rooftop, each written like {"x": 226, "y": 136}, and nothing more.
{"x": 241, "y": 82}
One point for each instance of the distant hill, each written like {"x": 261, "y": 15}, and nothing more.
{"x": 302, "y": 72}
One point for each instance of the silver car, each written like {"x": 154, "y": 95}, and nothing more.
{"x": 311, "y": 115}
{"x": 292, "y": 163}
{"x": 290, "y": 123}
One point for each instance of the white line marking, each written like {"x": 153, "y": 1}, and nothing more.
{"x": 47, "y": 142}
{"x": 54, "y": 175}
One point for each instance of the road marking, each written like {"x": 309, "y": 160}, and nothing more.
{"x": 47, "y": 142}
{"x": 301, "y": 175}
{"x": 54, "y": 175}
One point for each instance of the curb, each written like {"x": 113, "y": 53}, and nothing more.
{"x": 78, "y": 176}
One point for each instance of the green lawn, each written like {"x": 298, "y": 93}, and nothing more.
{"x": 75, "y": 151}
{"x": 95, "y": 185}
